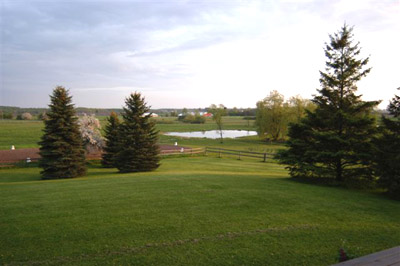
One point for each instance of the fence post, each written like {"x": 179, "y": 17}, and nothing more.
{"x": 219, "y": 152}
{"x": 239, "y": 155}
{"x": 205, "y": 151}
{"x": 265, "y": 157}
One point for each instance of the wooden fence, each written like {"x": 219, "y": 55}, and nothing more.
{"x": 186, "y": 151}
{"x": 240, "y": 154}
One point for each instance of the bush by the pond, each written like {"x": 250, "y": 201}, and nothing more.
{"x": 192, "y": 119}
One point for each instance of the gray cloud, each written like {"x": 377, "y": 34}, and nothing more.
{"x": 47, "y": 43}
{"x": 100, "y": 44}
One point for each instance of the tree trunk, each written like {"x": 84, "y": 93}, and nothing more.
{"x": 220, "y": 132}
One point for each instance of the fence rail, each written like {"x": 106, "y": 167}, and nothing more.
{"x": 220, "y": 151}
{"x": 183, "y": 151}
{"x": 192, "y": 151}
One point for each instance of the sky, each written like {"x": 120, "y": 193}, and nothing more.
{"x": 187, "y": 53}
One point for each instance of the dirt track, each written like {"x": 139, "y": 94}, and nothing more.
{"x": 13, "y": 156}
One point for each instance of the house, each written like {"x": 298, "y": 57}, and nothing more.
{"x": 151, "y": 114}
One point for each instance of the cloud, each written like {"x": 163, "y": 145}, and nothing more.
{"x": 207, "y": 50}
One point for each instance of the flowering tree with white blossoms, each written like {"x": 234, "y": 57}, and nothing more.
{"x": 90, "y": 127}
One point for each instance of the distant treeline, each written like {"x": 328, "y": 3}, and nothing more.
{"x": 15, "y": 111}
{"x": 12, "y": 112}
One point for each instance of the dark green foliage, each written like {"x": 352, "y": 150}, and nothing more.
{"x": 394, "y": 106}
{"x": 138, "y": 149}
{"x": 111, "y": 140}
{"x": 387, "y": 159}
{"x": 7, "y": 115}
{"x": 334, "y": 141}
{"x": 61, "y": 148}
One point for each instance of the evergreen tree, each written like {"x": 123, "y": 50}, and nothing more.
{"x": 61, "y": 147}
{"x": 111, "y": 140}
{"x": 387, "y": 160}
{"x": 138, "y": 149}
{"x": 335, "y": 140}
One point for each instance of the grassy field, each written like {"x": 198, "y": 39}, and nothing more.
{"x": 191, "y": 211}
{"x": 26, "y": 134}
{"x": 21, "y": 134}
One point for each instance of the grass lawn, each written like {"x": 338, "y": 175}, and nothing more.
{"x": 191, "y": 211}
{"x": 21, "y": 134}
{"x": 27, "y": 134}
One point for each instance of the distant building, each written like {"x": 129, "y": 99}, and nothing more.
{"x": 207, "y": 114}
{"x": 151, "y": 114}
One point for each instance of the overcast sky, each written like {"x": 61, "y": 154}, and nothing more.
{"x": 187, "y": 53}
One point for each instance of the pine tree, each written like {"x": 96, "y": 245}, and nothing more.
{"x": 138, "y": 149}
{"x": 387, "y": 159}
{"x": 111, "y": 140}
{"x": 61, "y": 147}
{"x": 334, "y": 141}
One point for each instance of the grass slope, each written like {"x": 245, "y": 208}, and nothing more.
{"x": 191, "y": 211}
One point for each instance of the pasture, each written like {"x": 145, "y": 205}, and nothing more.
{"x": 199, "y": 210}
{"x": 26, "y": 134}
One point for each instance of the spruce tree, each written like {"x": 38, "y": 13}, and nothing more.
{"x": 61, "y": 147}
{"x": 334, "y": 141}
{"x": 111, "y": 140}
{"x": 387, "y": 159}
{"x": 138, "y": 149}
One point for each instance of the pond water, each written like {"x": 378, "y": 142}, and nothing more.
{"x": 213, "y": 134}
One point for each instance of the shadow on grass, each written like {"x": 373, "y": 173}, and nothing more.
{"x": 353, "y": 184}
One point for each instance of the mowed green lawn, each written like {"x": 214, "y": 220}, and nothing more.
{"x": 27, "y": 134}
{"x": 191, "y": 211}
{"x": 21, "y": 134}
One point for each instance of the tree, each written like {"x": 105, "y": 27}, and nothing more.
{"x": 387, "y": 147}
{"x": 218, "y": 112}
{"x": 61, "y": 146}
{"x": 272, "y": 116}
{"x": 111, "y": 140}
{"x": 394, "y": 106}
{"x": 26, "y": 116}
{"x": 90, "y": 127}
{"x": 298, "y": 107}
{"x": 42, "y": 116}
{"x": 335, "y": 140}
{"x": 8, "y": 115}
{"x": 138, "y": 149}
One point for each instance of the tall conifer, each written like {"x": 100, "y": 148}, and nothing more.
{"x": 387, "y": 153}
{"x": 335, "y": 140}
{"x": 111, "y": 140}
{"x": 61, "y": 147}
{"x": 138, "y": 149}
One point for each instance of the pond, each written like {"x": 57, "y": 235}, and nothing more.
{"x": 213, "y": 134}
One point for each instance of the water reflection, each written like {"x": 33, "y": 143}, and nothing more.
{"x": 213, "y": 134}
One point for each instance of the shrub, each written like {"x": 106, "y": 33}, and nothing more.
{"x": 26, "y": 116}
{"x": 8, "y": 115}
{"x": 193, "y": 119}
